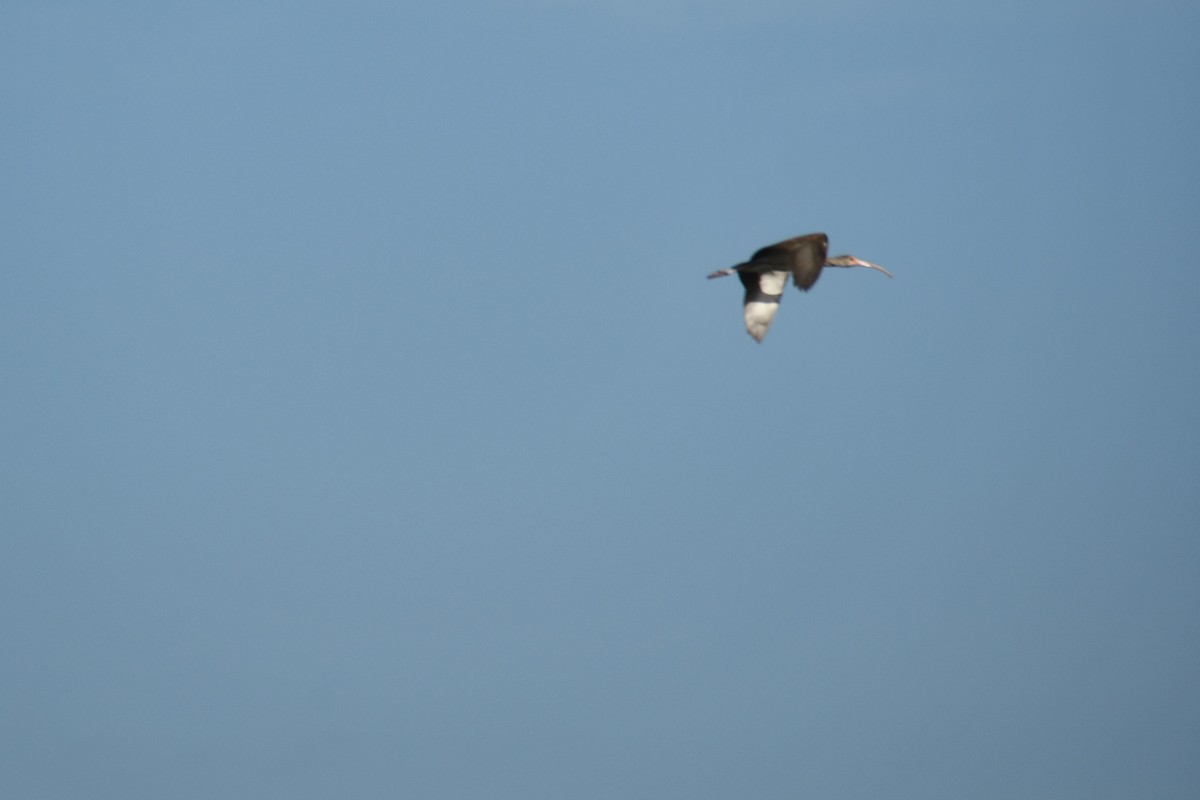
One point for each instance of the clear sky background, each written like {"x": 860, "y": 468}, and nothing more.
{"x": 368, "y": 427}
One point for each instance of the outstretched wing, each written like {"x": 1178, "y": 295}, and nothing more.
{"x": 764, "y": 290}
{"x": 803, "y": 256}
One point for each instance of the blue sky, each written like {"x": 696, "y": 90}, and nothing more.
{"x": 369, "y": 428}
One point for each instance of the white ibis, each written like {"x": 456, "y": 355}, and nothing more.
{"x": 765, "y": 275}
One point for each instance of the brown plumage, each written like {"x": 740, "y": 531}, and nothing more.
{"x": 765, "y": 275}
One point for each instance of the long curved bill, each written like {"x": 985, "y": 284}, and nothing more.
{"x": 869, "y": 265}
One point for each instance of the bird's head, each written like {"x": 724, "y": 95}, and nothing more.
{"x": 851, "y": 261}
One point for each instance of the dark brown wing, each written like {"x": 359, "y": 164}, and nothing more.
{"x": 803, "y": 256}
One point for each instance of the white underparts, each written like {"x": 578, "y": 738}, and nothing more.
{"x": 772, "y": 282}
{"x": 761, "y": 311}
{"x": 758, "y": 318}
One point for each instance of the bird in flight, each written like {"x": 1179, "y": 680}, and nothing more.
{"x": 765, "y": 275}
